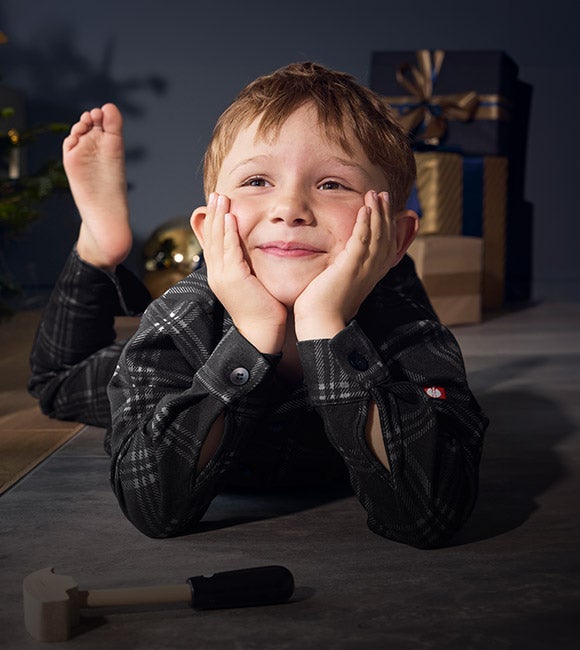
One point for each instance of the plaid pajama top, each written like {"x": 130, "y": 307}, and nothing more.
{"x": 187, "y": 365}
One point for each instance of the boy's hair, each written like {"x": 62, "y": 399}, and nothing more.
{"x": 344, "y": 107}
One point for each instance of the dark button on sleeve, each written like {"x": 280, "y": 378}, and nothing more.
{"x": 358, "y": 361}
{"x": 239, "y": 376}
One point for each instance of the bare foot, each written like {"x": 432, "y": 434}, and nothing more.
{"x": 94, "y": 161}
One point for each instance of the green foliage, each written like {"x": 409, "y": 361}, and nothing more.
{"x": 20, "y": 198}
{"x": 21, "y": 194}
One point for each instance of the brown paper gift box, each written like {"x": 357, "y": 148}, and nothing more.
{"x": 447, "y": 209}
{"x": 450, "y": 267}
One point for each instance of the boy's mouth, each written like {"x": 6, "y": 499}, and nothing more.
{"x": 289, "y": 249}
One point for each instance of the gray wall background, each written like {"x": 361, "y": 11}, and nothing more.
{"x": 173, "y": 66}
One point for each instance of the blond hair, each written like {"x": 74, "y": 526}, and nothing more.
{"x": 345, "y": 108}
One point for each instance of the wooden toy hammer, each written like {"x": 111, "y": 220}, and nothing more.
{"x": 52, "y": 602}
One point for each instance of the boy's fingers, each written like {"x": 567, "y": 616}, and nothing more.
{"x": 232, "y": 247}
{"x": 356, "y": 250}
{"x": 387, "y": 220}
{"x": 376, "y": 224}
{"x": 381, "y": 243}
{"x": 383, "y": 215}
{"x": 218, "y": 219}
{"x": 386, "y": 198}
{"x": 217, "y": 208}
{"x": 209, "y": 216}
{"x": 385, "y": 227}
{"x": 364, "y": 224}
{"x": 360, "y": 236}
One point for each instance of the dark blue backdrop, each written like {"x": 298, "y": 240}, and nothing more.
{"x": 174, "y": 65}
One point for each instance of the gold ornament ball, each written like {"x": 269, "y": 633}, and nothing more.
{"x": 170, "y": 253}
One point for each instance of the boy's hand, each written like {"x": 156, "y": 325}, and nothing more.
{"x": 258, "y": 316}
{"x": 334, "y": 297}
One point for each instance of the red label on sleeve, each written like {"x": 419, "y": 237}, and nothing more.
{"x": 436, "y": 392}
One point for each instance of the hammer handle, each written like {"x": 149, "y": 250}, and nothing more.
{"x": 265, "y": 585}
{"x": 128, "y": 596}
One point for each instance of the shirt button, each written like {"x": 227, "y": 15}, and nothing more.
{"x": 358, "y": 361}
{"x": 239, "y": 376}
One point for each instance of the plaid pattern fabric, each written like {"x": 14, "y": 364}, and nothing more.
{"x": 433, "y": 445}
{"x": 174, "y": 379}
{"x": 74, "y": 353}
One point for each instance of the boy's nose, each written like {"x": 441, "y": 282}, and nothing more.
{"x": 292, "y": 210}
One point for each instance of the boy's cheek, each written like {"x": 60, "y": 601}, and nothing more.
{"x": 242, "y": 210}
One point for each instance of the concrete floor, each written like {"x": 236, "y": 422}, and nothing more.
{"x": 511, "y": 580}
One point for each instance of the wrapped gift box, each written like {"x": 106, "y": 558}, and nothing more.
{"x": 450, "y": 267}
{"x": 469, "y": 102}
{"x": 467, "y": 195}
{"x": 440, "y": 193}
{"x": 471, "y": 93}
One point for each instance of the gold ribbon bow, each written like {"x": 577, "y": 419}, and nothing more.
{"x": 432, "y": 111}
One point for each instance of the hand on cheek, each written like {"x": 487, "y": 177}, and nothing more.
{"x": 258, "y": 316}
{"x": 334, "y": 297}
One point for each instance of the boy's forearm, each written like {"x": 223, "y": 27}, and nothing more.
{"x": 170, "y": 403}
{"x": 318, "y": 327}
{"x": 393, "y": 437}
{"x": 374, "y": 435}
{"x": 267, "y": 338}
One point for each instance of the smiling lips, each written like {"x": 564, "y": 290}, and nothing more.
{"x": 289, "y": 249}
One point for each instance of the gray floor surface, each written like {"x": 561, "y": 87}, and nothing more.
{"x": 510, "y": 580}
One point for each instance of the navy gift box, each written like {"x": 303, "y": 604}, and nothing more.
{"x": 472, "y": 93}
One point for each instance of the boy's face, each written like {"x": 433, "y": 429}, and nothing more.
{"x": 295, "y": 199}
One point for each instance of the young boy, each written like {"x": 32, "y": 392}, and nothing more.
{"x": 306, "y": 348}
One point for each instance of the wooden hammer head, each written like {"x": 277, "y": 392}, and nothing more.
{"x": 51, "y": 605}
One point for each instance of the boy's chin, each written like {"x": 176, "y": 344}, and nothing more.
{"x": 285, "y": 295}
{"x": 287, "y": 300}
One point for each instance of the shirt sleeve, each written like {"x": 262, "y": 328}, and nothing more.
{"x": 171, "y": 384}
{"x": 433, "y": 443}
{"x": 74, "y": 352}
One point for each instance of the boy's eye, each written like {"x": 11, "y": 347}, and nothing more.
{"x": 255, "y": 181}
{"x": 332, "y": 185}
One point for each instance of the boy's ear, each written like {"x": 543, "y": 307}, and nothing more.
{"x": 407, "y": 225}
{"x": 196, "y": 221}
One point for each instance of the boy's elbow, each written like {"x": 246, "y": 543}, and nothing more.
{"x": 42, "y": 389}
{"x": 422, "y": 534}
{"x": 48, "y": 403}
{"x": 156, "y": 523}
{"x": 432, "y": 527}
{"x": 161, "y": 528}
{"x": 53, "y": 401}
{"x": 153, "y": 532}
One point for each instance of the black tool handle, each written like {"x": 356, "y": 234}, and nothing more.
{"x": 264, "y": 585}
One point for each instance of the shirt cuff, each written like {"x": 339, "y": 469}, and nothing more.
{"x": 235, "y": 368}
{"x": 131, "y": 294}
{"x": 341, "y": 369}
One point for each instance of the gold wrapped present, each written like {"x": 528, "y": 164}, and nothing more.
{"x": 440, "y": 192}
{"x": 450, "y": 267}
{"x": 467, "y": 195}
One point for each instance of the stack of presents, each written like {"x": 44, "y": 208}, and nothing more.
{"x": 467, "y": 115}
